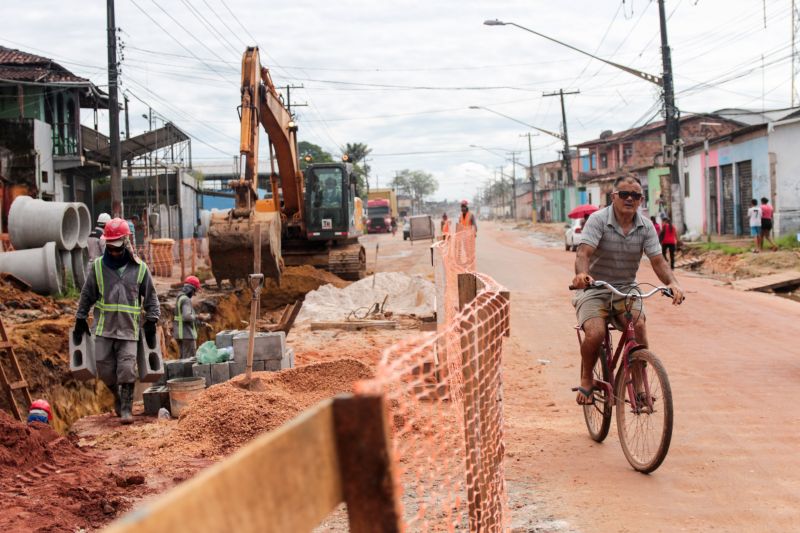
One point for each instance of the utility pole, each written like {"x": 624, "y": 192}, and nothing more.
{"x": 567, "y": 154}
{"x": 514, "y": 186}
{"x": 671, "y": 117}
{"x": 289, "y": 98}
{"x": 128, "y": 136}
{"x": 113, "y": 113}
{"x": 533, "y": 180}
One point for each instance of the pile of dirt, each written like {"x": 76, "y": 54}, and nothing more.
{"x": 404, "y": 295}
{"x": 228, "y": 415}
{"x": 49, "y": 484}
{"x": 745, "y": 265}
{"x": 296, "y": 282}
{"x": 20, "y": 305}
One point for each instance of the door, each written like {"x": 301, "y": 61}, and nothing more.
{"x": 712, "y": 200}
{"x": 744, "y": 176}
{"x": 726, "y": 176}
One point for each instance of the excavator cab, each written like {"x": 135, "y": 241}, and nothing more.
{"x": 330, "y": 195}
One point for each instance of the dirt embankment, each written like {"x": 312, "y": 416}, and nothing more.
{"x": 728, "y": 266}
{"x": 47, "y": 483}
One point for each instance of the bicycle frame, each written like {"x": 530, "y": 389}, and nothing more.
{"x": 625, "y": 347}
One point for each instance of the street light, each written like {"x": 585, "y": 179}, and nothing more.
{"x": 658, "y": 80}
{"x": 548, "y": 132}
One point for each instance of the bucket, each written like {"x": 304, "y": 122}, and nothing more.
{"x": 182, "y": 391}
{"x": 161, "y": 253}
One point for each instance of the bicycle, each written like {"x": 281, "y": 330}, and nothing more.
{"x": 640, "y": 390}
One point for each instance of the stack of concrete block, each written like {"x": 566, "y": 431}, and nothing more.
{"x": 269, "y": 351}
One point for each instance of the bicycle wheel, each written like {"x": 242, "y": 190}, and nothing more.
{"x": 598, "y": 415}
{"x": 644, "y": 433}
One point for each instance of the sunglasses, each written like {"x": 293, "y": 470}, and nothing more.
{"x": 629, "y": 194}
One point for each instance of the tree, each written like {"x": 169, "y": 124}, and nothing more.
{"x": 357, "y": 153}
{"x": 317, "y": 154}
{"x": 415, "y": 183}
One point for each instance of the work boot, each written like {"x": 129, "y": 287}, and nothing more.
{"x": 117, "y": 407}
{"x": 126, "y": 403}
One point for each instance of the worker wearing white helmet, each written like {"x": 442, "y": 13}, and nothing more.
{"x": 95, "y": 244}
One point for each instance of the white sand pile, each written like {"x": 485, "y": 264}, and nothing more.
{"x": 407, "y": 295}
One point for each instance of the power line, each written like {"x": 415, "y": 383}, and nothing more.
{"x": 203, "y": 20}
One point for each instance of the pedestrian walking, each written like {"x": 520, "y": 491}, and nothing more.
{"x": 657, "y": 226}
{"x": 754, "y": 214}
{"x": 467, "y": 219}
{"x": 766, "y": 224}
{"x": 444, "y": 225}
{"x": 185, "y": 322}
{"x": 118, "y": 287}
{"x": 669, "y": 241}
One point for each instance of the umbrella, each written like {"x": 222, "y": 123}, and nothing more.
{"x": 582, "y": 210}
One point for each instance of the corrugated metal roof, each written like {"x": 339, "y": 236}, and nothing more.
{"x": 23, "y": 66}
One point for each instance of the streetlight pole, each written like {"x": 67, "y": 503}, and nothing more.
{"x": 532, "y": 178}
{"x": 567, "y": 153}
{"x": 113, "y": 113}
{"x": 671, "y": 114}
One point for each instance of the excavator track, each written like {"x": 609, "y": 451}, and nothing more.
{"x": 348, "y": 262}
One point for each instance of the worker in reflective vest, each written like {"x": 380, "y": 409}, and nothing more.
{"x": 445, "y": 225}
{"x": 119, "y": 286}
{"x": 184, "y": 325}
{"x": 467, "y": 219}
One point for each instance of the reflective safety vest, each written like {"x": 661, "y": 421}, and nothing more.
{"x": 125, "y": 315}
{"x": 466, "y": 219}
{"x": 445, "y": 227}
{"x": 179, "y": 323}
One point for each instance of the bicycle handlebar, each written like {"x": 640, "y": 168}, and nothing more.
{"x": 597, "y": 283}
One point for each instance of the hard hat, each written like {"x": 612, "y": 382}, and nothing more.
{"x": 115, "y": 232}
{"x": 103, "y": 218}
{"x": 464, "y": 202}
{"x": 193, "y": 281}
{"x": 42, "y": 405}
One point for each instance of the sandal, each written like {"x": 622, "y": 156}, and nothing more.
{"x": 588, "y": 393}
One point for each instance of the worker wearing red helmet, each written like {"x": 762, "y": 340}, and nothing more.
{"x": 118, "y": 289}
{"x": 184, "y": 325}
{"x": 467, "y": 219}
{"x": 40, "y": 412}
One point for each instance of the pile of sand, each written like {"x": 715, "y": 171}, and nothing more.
{"x": 226, "y": 416}
{"x": 296, "y": 282}
{"x": 405, "y": 295}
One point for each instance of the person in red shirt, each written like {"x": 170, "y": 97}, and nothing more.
{"x": 766, "y": 223}
{"x": 669, "y": 241}
{"x": 656, "y": 225}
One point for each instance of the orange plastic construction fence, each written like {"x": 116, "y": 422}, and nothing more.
{"x": 169, "y": 258}
{"x": 444, "y": 396}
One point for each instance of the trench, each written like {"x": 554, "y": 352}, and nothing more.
{"x": 790, "y": 292}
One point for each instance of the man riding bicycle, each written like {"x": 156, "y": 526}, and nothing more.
{"x": 612, "y": 243}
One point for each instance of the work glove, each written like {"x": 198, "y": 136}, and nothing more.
{"x": 81, "y": 327}
{"x": 150, "y": 332}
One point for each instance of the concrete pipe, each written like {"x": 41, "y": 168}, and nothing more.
{"x": 85, "y": 219}
{"x": 40, "y": 267}
{"x": 67, "y": 276}
{"x": 33, "y": 223}
{"x": 80, "y": 265}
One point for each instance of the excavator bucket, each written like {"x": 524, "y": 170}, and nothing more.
{"x": 230, "y": 244}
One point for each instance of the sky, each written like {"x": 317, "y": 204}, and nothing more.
{"x": 401, "y": 76}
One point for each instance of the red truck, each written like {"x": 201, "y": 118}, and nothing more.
{"x": 379, "y": 216}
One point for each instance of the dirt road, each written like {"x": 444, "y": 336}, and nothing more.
{"x": 734, "y": 365}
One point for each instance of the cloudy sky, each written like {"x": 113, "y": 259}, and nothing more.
{"x": 400, "y": 76}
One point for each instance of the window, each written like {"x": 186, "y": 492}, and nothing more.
{"x": 604, "y": 160}
{"x": 44, "y": 176}
{"x": 686, "y": 184}
{"x": 593, "y": 161}
{"x": 627, "y": 153}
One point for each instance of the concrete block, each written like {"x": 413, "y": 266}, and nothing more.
{"x": 174, "y": 369}
{"x": 237, "y": 367}
{"x": 149, "y": 361}
{"x": 155, "y": 397}
{"x": 224, "y": 339}
{"x": 272, "y": 365}
{"x": 204, "y": 371}
{"x": 268, "y": 345}
{"x": 81, "y": 358}
{"x": 187, "y": 366}
{"x": 288, "y": 359}
{"x": 220, "y": 372}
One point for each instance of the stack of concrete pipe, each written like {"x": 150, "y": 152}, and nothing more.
{"x": 50, "y": 240}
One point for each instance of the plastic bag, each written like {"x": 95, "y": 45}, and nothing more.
{"x": 208, "y": 354}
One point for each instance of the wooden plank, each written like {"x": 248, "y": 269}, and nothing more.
{"x": 362, "y": 437}
{"x": 765, "y": 283}
{"x": 353, "y": 325}
{"x": 285, "y": 480}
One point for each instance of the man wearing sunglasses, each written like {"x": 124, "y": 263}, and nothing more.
{"x": 613, "y": 241}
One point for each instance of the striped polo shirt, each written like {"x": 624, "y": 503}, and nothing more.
{"x": 617, "y": 256}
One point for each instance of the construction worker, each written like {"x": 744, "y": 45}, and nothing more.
{"x": 95, "y": 244}
{"x": 40, "y": 412}
{"x": 118, "y": 286}
{"x": 467, "y": 219}
{"x": 444, "y": 225}
{"x": 185, "y": 323}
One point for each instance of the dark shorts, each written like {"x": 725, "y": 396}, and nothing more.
{"x": 766, "y": 226}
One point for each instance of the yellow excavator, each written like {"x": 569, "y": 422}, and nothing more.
{"x": 313, "y": 217}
